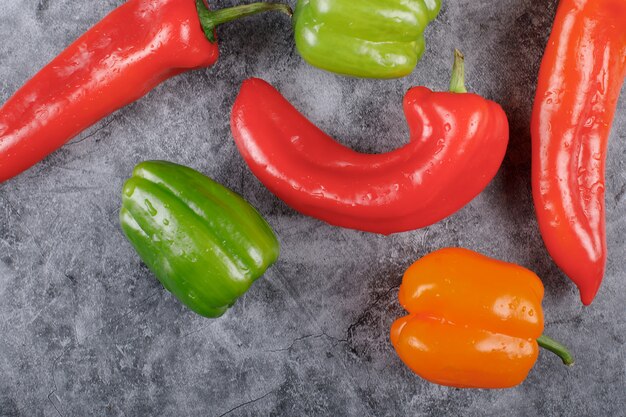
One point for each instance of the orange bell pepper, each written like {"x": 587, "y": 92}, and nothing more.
{"x": 474, "y": 322}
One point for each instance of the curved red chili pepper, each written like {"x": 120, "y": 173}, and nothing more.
{"x": 124, "y": 56}
{"x": 579, "y": 84}
{"x": 458, "y": 142}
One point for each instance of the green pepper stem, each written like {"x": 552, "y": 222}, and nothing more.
{"x": 210, "y": 19}
{"x": 556, "y": 348}
{"x": 457, "y": 82}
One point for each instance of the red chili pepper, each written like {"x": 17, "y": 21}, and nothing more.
{"x": 133, "y": 49}
{"x": 581, "y": 76}
{"x": 458, "y": 142}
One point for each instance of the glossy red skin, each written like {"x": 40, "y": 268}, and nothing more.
{"x": 124, "y": 56}
{"x": 458, "y": 142}
{"x": 579, "y": 84}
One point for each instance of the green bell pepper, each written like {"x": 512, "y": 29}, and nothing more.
{"x": 205, "y": 243}
{"x": 363, "y": 38}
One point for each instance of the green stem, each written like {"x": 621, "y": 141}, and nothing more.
{"x": 557, "y": 348}
{"x": 210, "y": 19}
{"x": 457, "y": 82}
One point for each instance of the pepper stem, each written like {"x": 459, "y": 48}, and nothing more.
{"x": 556, "y": 348}
{"x": 457, "y": 82}
{"x": 210, "y": 19}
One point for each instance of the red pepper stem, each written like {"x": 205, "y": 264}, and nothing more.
{"x": 556, "y": 348}
{"x": 210, "y": 19}
{"x": 457, "y": 82}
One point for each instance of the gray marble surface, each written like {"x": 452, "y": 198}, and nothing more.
{"x": 86, "y": 330}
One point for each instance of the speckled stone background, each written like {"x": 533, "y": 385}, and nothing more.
{"x": 86, "y": 330}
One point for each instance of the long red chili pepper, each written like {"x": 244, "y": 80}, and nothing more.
{"x": 579, "y": 84}
{"x": 458, "y": 142}
{"x": 124, "y": 56}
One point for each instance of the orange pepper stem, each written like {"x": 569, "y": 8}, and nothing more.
{"x": 457, "y": 82}
{"x": 210, "y": 19}
{"x": 556, "y": 348}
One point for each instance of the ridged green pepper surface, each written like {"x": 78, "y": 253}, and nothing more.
{"x": 363, "y": 38}
{"x": 205, "y": 243}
